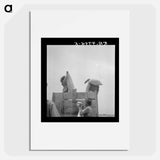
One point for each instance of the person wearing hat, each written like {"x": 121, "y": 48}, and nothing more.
{"x": 67, "y": 83}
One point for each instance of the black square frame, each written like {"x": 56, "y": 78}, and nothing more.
{"x": 77, "y": 41}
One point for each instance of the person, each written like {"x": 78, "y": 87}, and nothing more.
{"x": 84, "y": 111}
{"x": 67, "y": 83}
{"x": 64, "y": 84}
{"x": 93, "y": 85}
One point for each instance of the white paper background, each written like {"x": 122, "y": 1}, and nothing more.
{"x": 15, "y": 109}
{"x": 79, "y": 23}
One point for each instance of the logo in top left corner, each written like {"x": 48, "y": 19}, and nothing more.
{"x": 8, "y": 8}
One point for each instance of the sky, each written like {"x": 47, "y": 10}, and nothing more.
{"x": 83, "y": 62}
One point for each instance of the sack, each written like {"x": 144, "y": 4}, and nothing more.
{"x": 95, "y": 82}
{"x": 69, "y": 81}
{"x": 93, "y": 85}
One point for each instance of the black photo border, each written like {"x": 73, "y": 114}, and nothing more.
{"x": 80, "y": 41}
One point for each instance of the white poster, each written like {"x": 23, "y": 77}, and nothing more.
{"x": 79, "y": 80}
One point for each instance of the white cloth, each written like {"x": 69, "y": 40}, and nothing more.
{"x": 52, "y": 109}
{"x": 69, "y": 82}
{"x": 95, "y": 82}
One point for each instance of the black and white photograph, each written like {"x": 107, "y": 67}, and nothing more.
{"x": 79, "y": 79}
